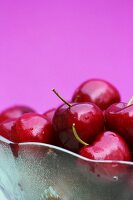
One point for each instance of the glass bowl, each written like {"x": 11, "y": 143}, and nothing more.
{"x": 36, "y": 171}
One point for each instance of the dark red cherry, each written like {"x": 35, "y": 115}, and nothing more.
{"x": 14, "y": 112}
{"x": 98, "y": 91}
{"x": 107, "y": 146}
{"x": 32, "y": 127}
{"x": 119, "y": 118}
{"x": 88, "y": 119}
{"x": 49, "y": 114}
{"x": 6, "y": 127}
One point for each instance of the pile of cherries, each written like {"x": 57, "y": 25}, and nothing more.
{"x": 94, "y": 123}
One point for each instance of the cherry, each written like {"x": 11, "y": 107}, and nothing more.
{"x": 107, "y": 146}
{"x": 98, "y": 91}
{"x": 49, "y": 114}
{"x": 88, "y": 119}
{"x": 32, "y": 127}
{"x": 14, "y": 112}
{"x": 6, "y": 127}
{"x": 119, "y": 118}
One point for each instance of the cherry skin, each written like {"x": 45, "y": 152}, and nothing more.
{"x": 98, "y": 91}
{"x": 119, "y": 118}
{"x": 107, "y": 146}
{"x": 49, "y": 114}
{"x": 6, "y": 128}
{"x": 88, "y": 119}
{"x": 32, "y": 127}
{"x": 14, "y": 112}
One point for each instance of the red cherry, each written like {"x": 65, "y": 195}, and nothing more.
{"x": 88, "y": 119}
{"x": 14, "y": 112}
{"x": 119, "y": 118}
{"x": 107, "y": 146}
{"x": 98, "y": 91}
{"x": 32, "y": 127}
{"x": 6, "y": 127}
{"x": 49, "y": 114}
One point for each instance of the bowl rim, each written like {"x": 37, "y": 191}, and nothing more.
{"x": 75, "y": 154}
{"x": 67, "y": 152}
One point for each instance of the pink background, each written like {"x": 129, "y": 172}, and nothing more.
{"x": 58, "y": 43}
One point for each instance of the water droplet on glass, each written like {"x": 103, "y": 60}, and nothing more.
{"x": 114, "y": 165}
{"x": 115, "y": 178}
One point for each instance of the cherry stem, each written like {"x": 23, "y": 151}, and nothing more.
{"x": 77, "y": 137}
{"x": 58, "y": 95}
{"x": 130, "y": 101}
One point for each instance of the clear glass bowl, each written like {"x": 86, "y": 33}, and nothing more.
{"x": 35, "y": 171}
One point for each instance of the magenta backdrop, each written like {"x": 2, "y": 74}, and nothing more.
{"x": 58, "y": 43}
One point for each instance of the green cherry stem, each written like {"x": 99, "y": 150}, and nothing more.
{"x": 130, "y": 101}
{"x": 58, "y": 95}
{"x": 77, "y": 137}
